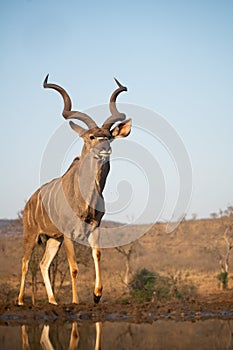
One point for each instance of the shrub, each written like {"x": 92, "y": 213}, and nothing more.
{"x": 147, "y": 285}
{"x": 223, "y": 278}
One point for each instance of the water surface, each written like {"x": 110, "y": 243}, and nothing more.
{"x": 161, "y": 334}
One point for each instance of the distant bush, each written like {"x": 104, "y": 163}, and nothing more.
{"x": 148, "y": 286}
{"x": 223, "y": 279}
{"x": 142, "y": 285}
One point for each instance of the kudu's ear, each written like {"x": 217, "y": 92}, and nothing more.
{"x": 122, "y": 129}
{"x": 77, "y": 128}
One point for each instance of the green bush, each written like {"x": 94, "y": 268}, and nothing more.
{"x": 223, "y": 278}
{"x": 142, "y": 285}
{"x": 147, "y": 286}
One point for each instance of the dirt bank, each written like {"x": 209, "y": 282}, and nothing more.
{"x": 218, "y": 305}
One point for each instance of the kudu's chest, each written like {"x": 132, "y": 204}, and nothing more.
{"x": 74, "y": 203}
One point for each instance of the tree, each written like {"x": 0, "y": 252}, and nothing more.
{"x": 223, "y": 251}
{"x": 229, "y": 211}
{"x": 194, "y": 216}
{"x": 224, "y": 258}
{"x": 127, "y": 251}
{"x": 213, "y": 215}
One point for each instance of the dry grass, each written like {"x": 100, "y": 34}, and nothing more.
{"x": 188, "y": 255}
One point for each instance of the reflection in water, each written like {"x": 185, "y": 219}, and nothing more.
{"x": 74, "y": 338}
{"x": 214, "y": 334}
{"x": 44, "y": 339}
{"x": 25, "y": 343}
{"x": 98, "y": 326}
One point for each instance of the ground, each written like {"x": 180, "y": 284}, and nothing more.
{"x": 218, "y": 305}
{"x": 189, "y": 257}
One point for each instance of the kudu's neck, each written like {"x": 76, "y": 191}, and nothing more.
{"x": 92, "y": 173}
{"x": 86, "y": 175}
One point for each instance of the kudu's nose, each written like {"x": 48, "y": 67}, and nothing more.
{"x": 105, "y": 149}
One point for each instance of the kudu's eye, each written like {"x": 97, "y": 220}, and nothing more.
{"x": 92, "y": 137}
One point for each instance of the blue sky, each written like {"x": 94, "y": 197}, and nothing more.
{"x": 174, "y": 56}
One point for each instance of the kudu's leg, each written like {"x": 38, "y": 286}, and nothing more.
{"x": 44, "y": 339}
{"x": 51, "y": 249}
{"x": 28, "y": 248}
{"x": 25, "y": 262}
{"x": 96, "y": 254}
{"x": 69, "y": 247}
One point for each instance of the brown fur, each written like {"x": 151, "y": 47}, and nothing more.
{"x": 72, "y": 206}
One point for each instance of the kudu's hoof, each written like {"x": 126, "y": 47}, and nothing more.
{"x": 96, "y": 298}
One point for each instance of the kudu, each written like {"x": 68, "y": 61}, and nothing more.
{"x": 76, "y": 194}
